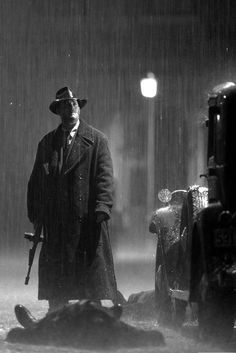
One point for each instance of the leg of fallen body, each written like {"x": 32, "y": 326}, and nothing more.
{"x": 55, "y": 304}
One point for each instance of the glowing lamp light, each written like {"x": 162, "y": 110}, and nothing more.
{"x": 149, "y": 86}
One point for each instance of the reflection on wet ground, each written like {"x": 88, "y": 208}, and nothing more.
{"x": 134, "y": 274}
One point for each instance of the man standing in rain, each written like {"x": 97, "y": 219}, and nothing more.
{"x": 70, "y": 193}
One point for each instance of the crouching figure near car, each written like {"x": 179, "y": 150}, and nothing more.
{"x": 173, "y": 226}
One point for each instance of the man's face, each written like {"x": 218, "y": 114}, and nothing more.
{"x": 69, "y": 111}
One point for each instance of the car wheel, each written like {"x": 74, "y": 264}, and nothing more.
{"x": 215, "y": 314}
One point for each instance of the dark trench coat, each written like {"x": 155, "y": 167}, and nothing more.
{"x": 65, "y": 193}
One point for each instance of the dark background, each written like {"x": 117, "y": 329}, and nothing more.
{"x": 102, "y": 49}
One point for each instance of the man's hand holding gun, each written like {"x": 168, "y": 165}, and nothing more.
{"x": 35, "y": 238}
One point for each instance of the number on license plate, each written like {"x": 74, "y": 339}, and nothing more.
{"x": 225, "y": 237}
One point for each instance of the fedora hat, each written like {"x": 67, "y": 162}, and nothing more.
{"x": 64, "y": 94}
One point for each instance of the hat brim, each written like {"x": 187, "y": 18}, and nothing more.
{"x": 54, "y": 105}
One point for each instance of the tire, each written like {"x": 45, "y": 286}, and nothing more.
{"x": 216, "y": 315}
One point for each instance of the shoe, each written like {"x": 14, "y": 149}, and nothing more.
{"x": 24, "y": 316}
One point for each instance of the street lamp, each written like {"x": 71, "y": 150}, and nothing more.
{"x": 148, "y": 87}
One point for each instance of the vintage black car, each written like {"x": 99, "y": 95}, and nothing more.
{"x": 213, "y": 248}
{"x": 199, "y": 266}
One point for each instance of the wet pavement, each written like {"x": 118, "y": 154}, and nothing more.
{"x": 132, "y": 275}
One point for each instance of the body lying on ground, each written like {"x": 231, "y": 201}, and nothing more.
{"x": 83, "y": 324}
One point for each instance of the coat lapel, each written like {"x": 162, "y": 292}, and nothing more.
{"x": 83, "y": 140}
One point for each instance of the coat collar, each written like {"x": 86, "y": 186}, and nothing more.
{"x": 85, "y": 131}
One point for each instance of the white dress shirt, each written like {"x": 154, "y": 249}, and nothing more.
{"x": 68, "y": 141}
{"x": 71, "y": 133}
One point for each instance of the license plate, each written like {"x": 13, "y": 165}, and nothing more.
{"x": 225, "y": 237}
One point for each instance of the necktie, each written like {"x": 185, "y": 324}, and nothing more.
{"x": 65, "y": 139}
{"x": 65, "y": 144}
{"x": 63, "y": 149}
